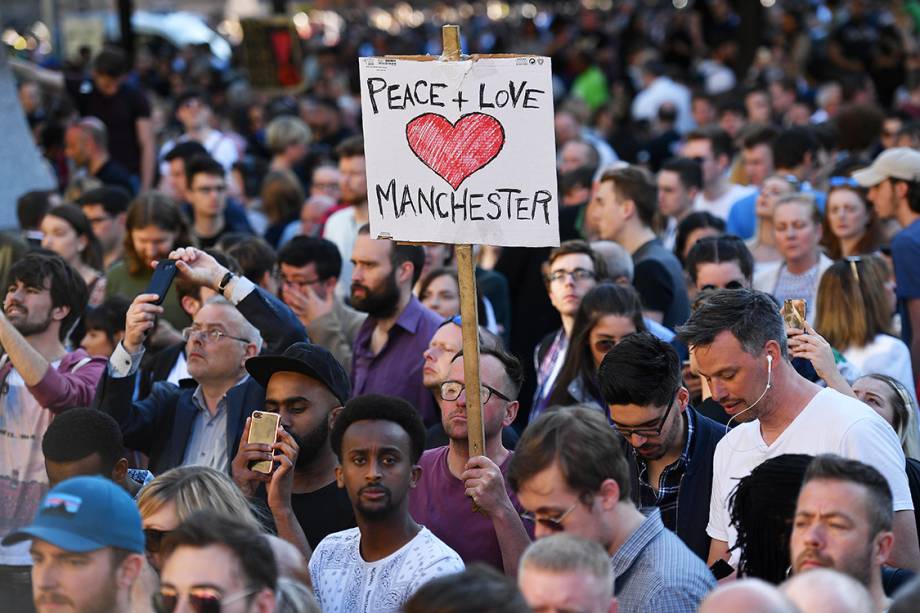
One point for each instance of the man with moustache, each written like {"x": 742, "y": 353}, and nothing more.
{"x": 307, "y": 388}
{"x": 38, "y": 378}
{"x": 671, "y": 445}
{"x": 386, "y": 357}
{"x": 739, "y": 340}
{"x": 452, "y": 482}
{"x": 843, "y": 521}
{"x": 378, "y": 565}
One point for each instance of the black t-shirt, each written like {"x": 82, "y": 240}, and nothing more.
{"x": 119, "y": 113}
{"x": 323, "y": 512}
{"x": 113, "y": 173}
{"x": 659, "y": 279}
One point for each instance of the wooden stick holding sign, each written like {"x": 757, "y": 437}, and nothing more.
{"x": 461, "y": 150}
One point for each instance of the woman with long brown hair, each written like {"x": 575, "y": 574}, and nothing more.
{"x": 851, "y": 226}
{"x": 155, "y": 226}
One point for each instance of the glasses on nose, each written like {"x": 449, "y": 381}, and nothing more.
{"x": 604, "y": 345}
{"x": 579, "y": 274}
{"x": 153, "y": 539}
{"x": 209, "y": 189}
{"x": 553, "y": 524}
{"x": 298, "y": 284}
{"x": 729, "y": 285}
{"x": 213, "y": 335}
{"x": 647, "y": 432}
{"x": 200, "y": 600}
{"x": 451, "y": 390}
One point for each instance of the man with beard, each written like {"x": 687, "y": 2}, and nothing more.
{"x": 378, "y": 565}
{"x": 671, "y": 445}
{"x": 201, "y": 423}
{"x": 843, "y": 521}
{"x": 739, "y": 340}
{"x": 307, "y": 388}
{"x": 87, "y": 546}
{"x": 386, "y": 357}
{"x": 465, "y": 501}
{"x": 38, "y": 378}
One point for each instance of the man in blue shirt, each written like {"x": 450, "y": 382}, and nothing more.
{"x": 893, "y": 180}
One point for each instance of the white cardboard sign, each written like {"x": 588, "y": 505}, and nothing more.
{"x": 460, "y": 152}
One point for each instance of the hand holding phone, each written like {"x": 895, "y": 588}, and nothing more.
{"x": 263, "y": 430}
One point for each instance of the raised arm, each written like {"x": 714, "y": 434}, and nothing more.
{"x": 30, "y": 71}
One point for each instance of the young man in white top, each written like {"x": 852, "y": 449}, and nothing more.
{"x": 342, "y": 226}
{"x": 712, "y": 148}
{"x": 378, "y": 565}
{"x": 739, "y": 340}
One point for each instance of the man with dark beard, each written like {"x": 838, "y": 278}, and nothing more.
{"x": 464, "y": 500}
{"x": 307, "y": 388}
{"x": 387, "y": 353}
{"x": 381, "y": 563}
{"x": 671, "y": 445}
{"x": 38, "y": 378}
{"x": 843, "y": 520}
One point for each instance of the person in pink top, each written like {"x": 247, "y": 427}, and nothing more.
{"x": 38, "y": 378}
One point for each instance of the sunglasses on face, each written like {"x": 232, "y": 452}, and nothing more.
{"x": 153, "y": 539}
{"x": 729, "y": 285}
{"x": 200, "y": 600}
{"x": 553, "y": 524}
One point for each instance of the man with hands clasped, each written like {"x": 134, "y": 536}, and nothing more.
{"x": 307, "y": 388}
{"x": 452, "y": 482}
{"x": 200, "y": 423}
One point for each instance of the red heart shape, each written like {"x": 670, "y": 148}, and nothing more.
{"x": 455, "y": 150}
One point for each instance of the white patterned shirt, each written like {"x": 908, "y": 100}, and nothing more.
{"x": 344, "y": 583}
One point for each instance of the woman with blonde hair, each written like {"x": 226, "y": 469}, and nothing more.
{"x": 854, "y": 315}
{"x": 891, "y": 399}
{"x": 169, "y": 499}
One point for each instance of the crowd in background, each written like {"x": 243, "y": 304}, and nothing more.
{"x": 705, "y": 398}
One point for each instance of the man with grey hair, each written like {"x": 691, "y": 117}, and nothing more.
{"x": 567, "y": 573}
{"x": 203, "y": 423}
{"x": 748, "y": 595}
{"x": 828, "y": 590}
{"x": 739, "y": 341}
{"x": 86, "y": 144}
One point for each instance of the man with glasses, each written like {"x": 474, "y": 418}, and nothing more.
{"x": 213, "y": 564}
{"x": 198, "y": 424}
{"x": 87, "y": 548}
{"x": 671, "y": 445}
{"x": 570, "y": 272}
{"x": 106, "y": 209}
{"x": 893, "y": 180}
{"x": 308, "y": 273}
{"x": 570, "y": 472}
{"x": 464, "y": 501}
{"x": 206, "y": 191}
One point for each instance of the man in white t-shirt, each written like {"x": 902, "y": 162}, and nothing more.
{"x": 342, "y": 226}
{"x": 739, "y": 340}
{"x": 377, "y": 566}
{"x": 712, "y": 148}
{"x": 194, "y": 113}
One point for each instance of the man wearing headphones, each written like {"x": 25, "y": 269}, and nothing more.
{"x": 739, "y": 340}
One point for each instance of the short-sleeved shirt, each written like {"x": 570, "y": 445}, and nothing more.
{"x": 905, "y": 251}
{"x": 119, "y": 112}
{"x": 397, "y": 369}
{"x": 830, "y": 423}
{"x": 344, "y": 583}
{"x": 659, "y": 279}
{"x": 439, "y": 502}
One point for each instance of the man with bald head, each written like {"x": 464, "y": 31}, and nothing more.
{"x": 199, "y": 423}
{"x": 824, "y": 589}
{"x": 748, "y": 595}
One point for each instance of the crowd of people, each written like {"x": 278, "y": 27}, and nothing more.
{"x": 705, "y": 398}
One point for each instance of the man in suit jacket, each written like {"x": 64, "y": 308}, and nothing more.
{"x": 199, "y": 423}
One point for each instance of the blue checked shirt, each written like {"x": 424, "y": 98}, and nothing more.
{"x": 668, "y": 483}
{"x": 655, "y": 572}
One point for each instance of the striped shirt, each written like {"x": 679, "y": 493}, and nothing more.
{"x": 655, "y": 572}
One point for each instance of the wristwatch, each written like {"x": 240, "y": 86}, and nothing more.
{"x": 224, "y": 282}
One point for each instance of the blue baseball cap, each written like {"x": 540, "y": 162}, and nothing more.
{"x": 85, "y": 514}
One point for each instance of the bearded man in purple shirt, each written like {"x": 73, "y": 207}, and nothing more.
{"x": 387, "y": 354}
{"x": 452, "y": 481}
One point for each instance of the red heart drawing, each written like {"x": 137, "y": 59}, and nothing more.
{"x": 455, "y": 150}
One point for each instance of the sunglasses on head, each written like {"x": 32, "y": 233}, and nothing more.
{"x": 200, "y": 600}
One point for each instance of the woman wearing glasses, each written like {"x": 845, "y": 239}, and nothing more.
{"x": 854, "y": 315}
{"x": 607, "y": 313}
{"x": 850, "y": 224}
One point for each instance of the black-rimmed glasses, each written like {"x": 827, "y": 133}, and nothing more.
{"x": 451, "y": 390}
{"x": 647, "y": 432}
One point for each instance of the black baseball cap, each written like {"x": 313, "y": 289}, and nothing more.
{"x": 307, "y": 359}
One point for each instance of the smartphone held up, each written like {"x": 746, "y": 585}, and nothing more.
{"x": 263, "y": 430}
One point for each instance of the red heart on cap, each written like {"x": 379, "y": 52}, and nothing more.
{"x": 455, "y": 150}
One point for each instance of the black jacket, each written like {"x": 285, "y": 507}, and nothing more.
{"x": 696, "y": 486}
{"x": 160, "y": 425}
